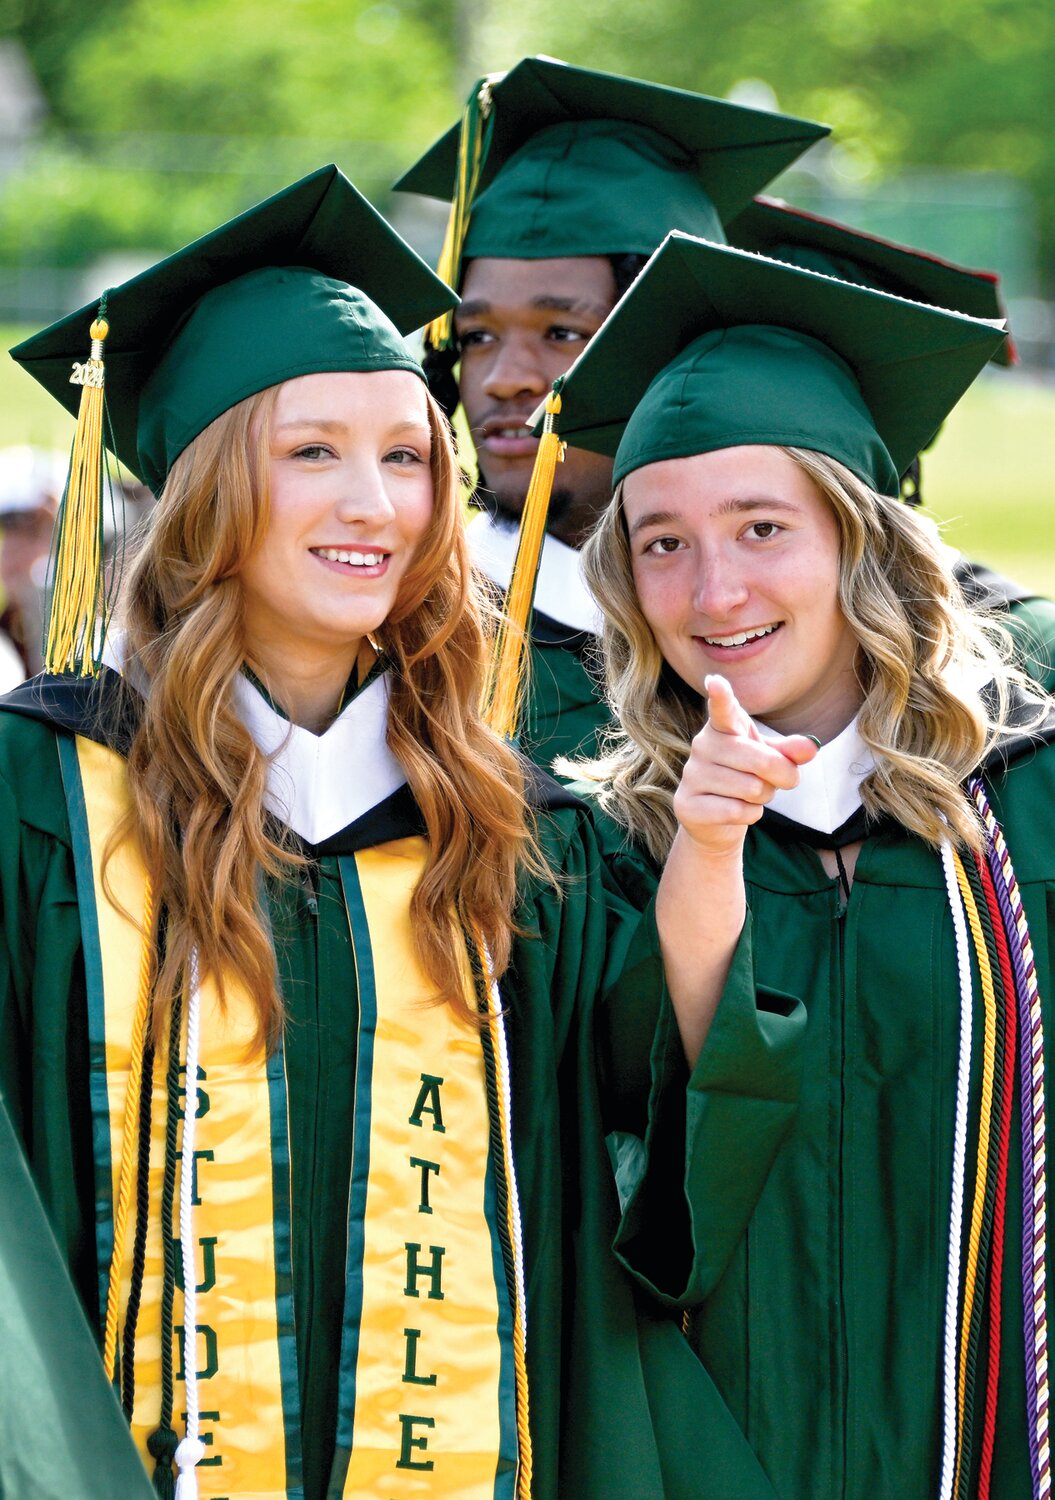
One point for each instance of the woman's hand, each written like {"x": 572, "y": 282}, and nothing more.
{"x": 732, "y": 772}
{"x": 730, "y": 775}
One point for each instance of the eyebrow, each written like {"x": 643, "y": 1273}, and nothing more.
{"x": 334, "y": 424}
{"x": 653, "y": 518}
{"x": 546, "y": 303}
{"x": 727, "y": 508}
{"x": 324, "y": 424}
{"x": 754, "y": 502}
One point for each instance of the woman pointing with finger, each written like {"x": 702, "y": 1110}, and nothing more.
{"x": 881, "y": 1328}
{"x": 731, "y": 773}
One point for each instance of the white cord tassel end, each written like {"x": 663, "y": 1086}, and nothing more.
{"x": 190, "y": 1452}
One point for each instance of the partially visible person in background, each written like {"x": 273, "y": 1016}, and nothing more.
{"x": 31, "y": 485}
{"x": 581, "y": 174}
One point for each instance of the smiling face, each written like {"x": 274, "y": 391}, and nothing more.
{"x": 351, "y": 497}
{"x": 521, "y": 323}
{"x": 735, "y": 557}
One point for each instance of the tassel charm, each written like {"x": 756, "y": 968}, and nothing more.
{"x": 189, "y": 1454}
{"x": 474, "y": 141}
{"x": 508, "y": 677}
{"x": 77, "y": 565}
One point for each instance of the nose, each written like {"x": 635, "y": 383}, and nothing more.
{"x": 719, "y": 587}
{"x": 515, "y": 370}
{"x": 363, "y": 494}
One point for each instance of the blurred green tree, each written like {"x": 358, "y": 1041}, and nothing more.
{"x": 959, "y": 84}
{"x": 167, "y": 114}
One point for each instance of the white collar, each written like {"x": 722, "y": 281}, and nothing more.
{"x": 829, "y": 789}
{"x": 319, "y": 783}
{"x": 560, "y": 591}
{"x": 316, "y": 783}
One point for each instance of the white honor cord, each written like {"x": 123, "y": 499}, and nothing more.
{"x": 959, "y": 1156}
{"x": 191, "y": 1450}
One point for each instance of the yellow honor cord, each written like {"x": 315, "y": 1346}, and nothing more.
{"x": 129, "y": 1134}
{"x": 508, "y": 677}
{"x": 970, "y": 1289}
{"x": 474, "y": 138}
{"x": 77, "y": 574}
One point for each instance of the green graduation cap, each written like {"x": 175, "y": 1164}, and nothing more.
{"x": 804, "y": 239}
{"x": 714, "y": 347}
{"x": 313, "y": 279}
{"x": 551, "y": 160}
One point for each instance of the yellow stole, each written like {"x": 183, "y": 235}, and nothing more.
{"x": 427, "y": 1395}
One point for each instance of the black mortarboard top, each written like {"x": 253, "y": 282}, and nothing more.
{"x": 773, "y": 228}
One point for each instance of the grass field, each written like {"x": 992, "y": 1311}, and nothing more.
{"x": 990, "y": 478}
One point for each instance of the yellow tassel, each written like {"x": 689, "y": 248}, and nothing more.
{"x": 77, "y": 572}
{"x": 508, "y": 679}
{"x": 474, "y": 139}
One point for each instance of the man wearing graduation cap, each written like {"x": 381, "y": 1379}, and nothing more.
{"x": 882, "y": 1326}
{"x": 567, "y": 180}
{"x": 804, "y": 239}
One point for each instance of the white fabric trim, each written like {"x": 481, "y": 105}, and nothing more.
{"x": 561, "y": 590}
{"x": 316, "y": 783}
{"x": 113, "y": 656}
{"x": 829, "y": 789}
{"x": 12, "y": 672}
{"x": 319, "y": 783}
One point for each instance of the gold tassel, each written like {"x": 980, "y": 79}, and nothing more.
{"x": 508, "y": 679}
{"x": 77, "y": 570}
{"x": 474, "y": 140}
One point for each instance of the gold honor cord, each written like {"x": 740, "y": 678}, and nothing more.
{"x": 77, "y": 569}
{"x": 130, "y": 1132}
{"x": 506, "y": 685}
{"x": 474, "y": 141}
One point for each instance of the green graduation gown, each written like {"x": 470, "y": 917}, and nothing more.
{"x": 615, "y": 1391}
{"x": 566, "y": 715}
{"x": 1029, "y": 617}
{"x": 824, "y": 1334}
{"x": 61, "y": 1430}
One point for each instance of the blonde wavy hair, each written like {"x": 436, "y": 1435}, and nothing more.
{"x": 197, "y": 779}
{"x": 923, "y": 652}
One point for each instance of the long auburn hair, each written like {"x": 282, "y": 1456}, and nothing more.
{"x": 197, "y": 779}
{"x": 922, "y": 654}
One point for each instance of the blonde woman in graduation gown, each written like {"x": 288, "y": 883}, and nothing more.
{"x": 881, "y": 1328}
